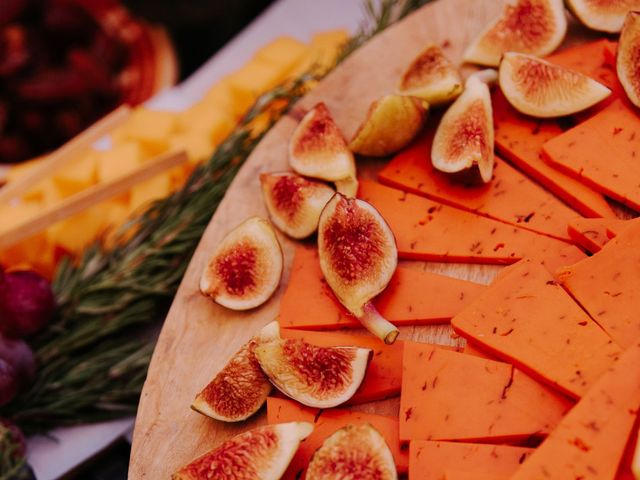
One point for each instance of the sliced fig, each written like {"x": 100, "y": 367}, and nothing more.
{"x": 294, "y": 202}
{"x": 602, "y": 15}
{"x": 245, "y": 269}
{"x": 347, "y": 186}
{"x": 320, "y": 377}
{"x": 318, "y": 149}
{"x": 354, "y": 451}
{"x": 240, "y": 388}
{"x": 391, "y": 123}
{"x": 526, "y": 26}
{"x": 628, "y": 57}
{"x": 542, "y": 89}
{"x": 463, "y": 143}
{"x": 263, "y": 453}
{"x": 358, "y": 257}
{"x": 431, "y": 77}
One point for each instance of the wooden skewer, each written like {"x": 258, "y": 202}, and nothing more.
{"x": 89, "y": 197}
{"x": 65, "y": 154}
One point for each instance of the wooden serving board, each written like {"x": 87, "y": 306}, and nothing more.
{"x": 199, "y": 336}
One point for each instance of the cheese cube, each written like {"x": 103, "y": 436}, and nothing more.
{"x": 198, "y": 145}
{"x": 78, "y": 175}
{"x": 119, "y": 161}
{"x": 151, "y": 128}
{"x": 283, "y": 53}
{"x": 220, "y": 98}
{"x": 254, "y": 78}
{"x": 79, "y": 231}
{"x": 202, "y": 118}
{"x": 149, "y": 190}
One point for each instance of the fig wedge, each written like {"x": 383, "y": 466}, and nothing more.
{"x": 354, "y": 451}
{"x": 628, "y": 57}
{"x": 358, "y": 257}
{"x": 294, "y": 202}
{"x": 602, "y": 15}
{"x": 541, "y": 89}
{"x": 246, "y": 268}
{"x": 318, "y": 149}
{"x": 431, "y": 77}
{"x": 263, "y": 453}
{"x": 320, "y": 377}
{"x": 463, "y": 143}
{"x": 391, "y": 123}
{"x": 241, "y": 387}
{"x": 348, "y": 186}
{"x": 526, "y": 26}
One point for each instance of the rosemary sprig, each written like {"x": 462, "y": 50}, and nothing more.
{"x": 12, "y": 463}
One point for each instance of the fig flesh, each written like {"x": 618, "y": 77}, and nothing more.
{"x": 245, "y": 269}
{"x": 358, "y": 257}
{"x": 603, "y": 15}
{"x": 240, "y": 388}
{"x": 263, "y": 453}
{"x": 541, "y": 89}
{"x": 526, "y": 26}
{"x": 628, "y": 57}
{"x": 294, "y": 202}
{"x": 431, "y": 77}
{"x": 463, "y": 143}
{"x": 348, "y": 186}
{"x": 391, "y": 123}
{"x": 320, "y": 377}
{"x": 318, "y": 149}
{"x": 354, "y": 451}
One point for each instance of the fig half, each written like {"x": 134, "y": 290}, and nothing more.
{"x": 391, "y": 123}
{"x": 294, "y": 202}
{"x": 245, "y": 269}
{"x": 263, "y": 453}
{"x": 602, "y": 15}
{"x": 241, "y": 387}
{"x": 318, "y": 149}
{"x": 541, "y": 89}
{"x": 354, "y": 451}
{"x": 628, "y": 57}
{"x": 431, "y": 77}
{"x": 358, "y": 257}
{"x": 527, "y": 26}
{"x": 320, "y": 377}
{"x": 463, "y": 143}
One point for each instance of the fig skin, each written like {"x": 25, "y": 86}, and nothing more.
{"x": 628, "y": 57}
{"x": 358, "y": 257}
{"x": 262, "y": 453}
{"x": 354, "y": 451}
{"x": 431, "y": 77}
{"x": 240, "y": 389}
{"x": 601, "y": 15}
{"x": 391, "y": 123}
{"x": 245, "y": 269}
{"x": 294, "y": 202}
{"x": 541, "y": 89}
{"x": 536, "y": 27}
{"x": 319, "y": 377}
{"x": 318, "y": 149}
{"x": 463, "y": 143}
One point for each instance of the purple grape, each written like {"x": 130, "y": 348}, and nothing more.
{"x": 9, "y": 383}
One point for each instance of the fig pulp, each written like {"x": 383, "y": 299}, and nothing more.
{"x": 431, "y": 77}
{"x": 355, "y": 451}
{"x": 240, "y": 388}
{"x": 541, "y": 89}
{"x": 318, "y": 149}
{"x": 391, "y": 123}
{"x": 526, "y": 26}
{"x": 628, "y": 57}
{"x": 320, "y": 377}
{"x": 602, "y": 15}
{"x": 463, "y": 143}
{"x": 294, "y": 202}
{"x": 358, "y": 257}
{"x": 263, "y": 453}
{"x": 245, "y": 269}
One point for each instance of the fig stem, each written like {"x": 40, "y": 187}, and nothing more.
{"x": 378, "y": 325}
{"x": 488, "y": 76}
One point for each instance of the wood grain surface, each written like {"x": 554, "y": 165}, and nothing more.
{"x": 198, "y": 336}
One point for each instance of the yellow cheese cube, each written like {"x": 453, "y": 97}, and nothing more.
{"x": 198, "y": 145}
{"x": 31, "y": 253}
{"x": 330, "y": 39}
{"x": 254, "y": 78}
{"x": 220, "y": 98}
{"x": 78, "y": 232}
{"x": 12, "y": 215}
{"x": 323, "y": 52}
{"x": 78, "y": 175}
{"x": 151, "y": 128}
{"x": 202, "y": 118}
{"x": 17, "y": 171}
{"x": 152, "y": 189}
{"x": 283, "y": 53}
{"x": 119, "y": 161}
